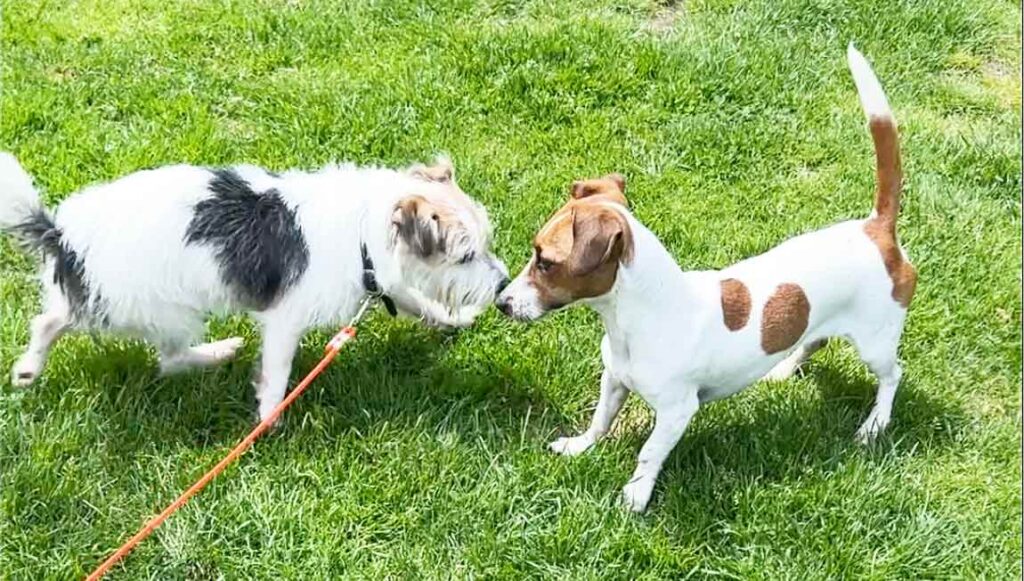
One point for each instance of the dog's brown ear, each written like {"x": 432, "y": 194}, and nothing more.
{"x": 619, "y": 180}
{"x": 418, "y": 223}
{"x": 581, "y": 189}
{"x": 612, "y": 186}
{"x": 600, "y": 236}
{"x": 442, "y": 171}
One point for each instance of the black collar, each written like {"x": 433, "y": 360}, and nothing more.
{"x": 370, "y": 282}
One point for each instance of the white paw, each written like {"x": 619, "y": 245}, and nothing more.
{"x": 571, "y": 446}
{"x": 871, "y": 428}
{"x": 25, "y": 371}
{"x": 458, "y": 319}
{"x": 637, "y": 493}
{"x": 267, "y": 408}
{"x": 781, "y": 372}
{"x": 223, "y": 350}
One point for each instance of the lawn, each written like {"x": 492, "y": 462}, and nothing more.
{"x": 422, "y": 453}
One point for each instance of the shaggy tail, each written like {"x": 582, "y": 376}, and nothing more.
{"x": 883, "y": 131}
{"x": 21, "y": 212}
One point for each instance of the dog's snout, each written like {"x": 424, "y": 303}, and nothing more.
{"x": 501, "y": 285}
{"x": 504, "y": 305}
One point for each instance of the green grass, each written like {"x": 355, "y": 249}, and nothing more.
{"x": 422, "y": 454}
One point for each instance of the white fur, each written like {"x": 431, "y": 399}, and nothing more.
{"x": 148, "y": 283}
{"x": 872, "y": 96}
{"x": 666, "y": 340}
{"x": 18, "y": 196}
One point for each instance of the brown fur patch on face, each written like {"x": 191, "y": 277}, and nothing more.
{"x": 785, "y": 318}
{"x": 611, "y": 187}
{"x": 735, "y": 304}
{"x": 578, "y": 252}
{"x": 882, "y": 232}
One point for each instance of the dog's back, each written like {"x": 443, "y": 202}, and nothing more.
{"x": 851, "y": 279}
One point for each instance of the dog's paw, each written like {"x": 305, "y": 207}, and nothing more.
{"x": 465, "y": 316}
{"x": 782, "y": 371}
{"x": 24, "y": 372}
{"x": 457, "y": 319}
{"x": 264, "y": 413}
{"x": 221, "y": 351}
{"x": 637, "y": 493}
{"x": 871, "y": 428}
{"x": 571, "y": 446}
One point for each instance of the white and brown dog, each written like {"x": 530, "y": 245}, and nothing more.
{"x": 153, "y": 253}
{"x": 679, "y": 339}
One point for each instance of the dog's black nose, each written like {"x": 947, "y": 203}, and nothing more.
{"x": 504, "y": 305}
{"x": 501, "y": 286}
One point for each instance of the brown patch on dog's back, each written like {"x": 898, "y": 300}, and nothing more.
{"x": 785, "y": 318}
{"x": 735, "y": 304}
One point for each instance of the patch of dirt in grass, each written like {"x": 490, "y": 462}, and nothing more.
{"x": 666, "y": 17}
{"x": 1003, "y": 82}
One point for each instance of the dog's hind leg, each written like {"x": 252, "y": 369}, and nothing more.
{"x": 879, "y": 352}
{"x": 46, "y": 328}
{"x": 787, "y": 367}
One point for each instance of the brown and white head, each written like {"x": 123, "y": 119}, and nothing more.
{"x": 577, "y": 254}
{"x": 440, "y": 238}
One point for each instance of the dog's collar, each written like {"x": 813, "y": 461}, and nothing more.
{"x": 370, "y": 282}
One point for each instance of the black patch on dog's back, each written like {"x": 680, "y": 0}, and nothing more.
{"x": 259, "y": 245}
{"x": 39, "y": 231}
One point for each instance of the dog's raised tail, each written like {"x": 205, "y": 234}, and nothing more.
{"x": 884, "y": 133}
{"x": 21, "y": 212}
{"x": 19, "y": 200}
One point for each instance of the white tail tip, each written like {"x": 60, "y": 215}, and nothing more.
{"x": 18, "y": 197}
{"x": 872, "y": 97}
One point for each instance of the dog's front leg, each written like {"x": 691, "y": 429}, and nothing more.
{"x": 280, "y": 339}
{"x": 671, "y": 419}
{"x": 613, "y": 394}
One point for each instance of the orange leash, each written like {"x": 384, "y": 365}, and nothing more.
{"x": 333, "y": 346}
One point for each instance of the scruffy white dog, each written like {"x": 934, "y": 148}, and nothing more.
{"x": 679, "y": 339}
{"x": 153, "y": 253}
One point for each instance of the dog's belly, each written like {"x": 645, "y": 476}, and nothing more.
{"x": 708, "y": 393}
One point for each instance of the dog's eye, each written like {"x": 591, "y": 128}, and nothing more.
{"x": 467, "y": 258}
{"x": 544, "y": 264}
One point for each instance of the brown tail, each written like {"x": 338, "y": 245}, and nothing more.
{"x": 887, "y": 168}
{"x": 883, "y": 131}
{"x": 882, "y": 228}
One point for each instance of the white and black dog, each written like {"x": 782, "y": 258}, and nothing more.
{"x": 152, "y": 254}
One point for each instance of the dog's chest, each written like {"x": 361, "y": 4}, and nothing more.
{"x": 632, "y": 364}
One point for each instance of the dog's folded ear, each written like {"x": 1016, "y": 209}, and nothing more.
{"x": 417, "y": 223}
{"x": 619, "y": 180}
{"x": 612, "y": 186}
{"x": 600, "y": 236}
{"x": 441, "y": 171}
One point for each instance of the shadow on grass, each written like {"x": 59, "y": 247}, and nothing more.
{"x": 780, "y": 439}
{"x": 397, "y": 374}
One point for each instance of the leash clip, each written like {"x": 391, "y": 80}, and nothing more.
{"x": 370, "y": 284}
{"x": 348, "y": 332}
